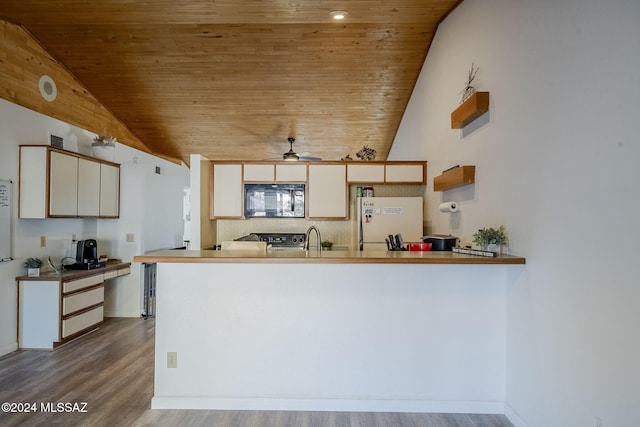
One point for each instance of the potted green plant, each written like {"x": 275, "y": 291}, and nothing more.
{"x": 33, "y": 266}
{"x": 326, "y": 245}
{"x": 491, "y": 239}
{"x": 104, "y": 147}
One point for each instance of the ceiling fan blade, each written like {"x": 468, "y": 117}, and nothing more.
{"x": 303, "y": 153}
{"x": 309, "y": 159}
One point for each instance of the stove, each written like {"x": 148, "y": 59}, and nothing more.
{"x": 283, "y": 240}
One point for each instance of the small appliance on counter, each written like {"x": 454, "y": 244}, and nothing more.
{"x": 441, "y": 242}
{"x": 87, "y": 256}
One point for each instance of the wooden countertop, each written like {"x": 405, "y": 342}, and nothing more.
{"x": 322, "y": 257}
{"x": 75, "y": 274}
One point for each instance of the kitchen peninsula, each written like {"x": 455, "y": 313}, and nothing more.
{"x": 331, "y": 330}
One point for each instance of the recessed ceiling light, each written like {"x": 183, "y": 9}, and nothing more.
{"x": 338, "y": 14}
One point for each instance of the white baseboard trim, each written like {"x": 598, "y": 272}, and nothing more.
{"x": 10, "y": 348}
{"x": 121, "y": 314}
{"x": 336, "y": 405}
{"x": 513, "y": 416}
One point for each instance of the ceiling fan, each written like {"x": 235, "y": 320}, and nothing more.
{"x": 292, "y": 156}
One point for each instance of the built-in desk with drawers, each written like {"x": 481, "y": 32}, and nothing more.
{"x": 55, "y": 308}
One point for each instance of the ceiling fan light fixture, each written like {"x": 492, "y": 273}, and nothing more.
{"x": 338, "y": 15}
{"x": 290, "y": 156}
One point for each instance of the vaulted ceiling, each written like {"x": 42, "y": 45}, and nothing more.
{"x": 233, "y": 79}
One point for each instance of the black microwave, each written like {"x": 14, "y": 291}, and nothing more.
{"x": 274, "y": 200}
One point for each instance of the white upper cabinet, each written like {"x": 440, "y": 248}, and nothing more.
{"x": 57, "y": 183}
{"x": 367, "y": 174}
{"x": 63, "y": 185}
{"x": 405, "y": 173}
{"x": 33, "y": 183}
{"x": 88, "y": 188}
{"x": 327, "y": 192}
{"x": 227, "y": 191}
{"x": 258, "y": 172}
{"x": 109, "y": 191}
{"x": 291, "y": 173}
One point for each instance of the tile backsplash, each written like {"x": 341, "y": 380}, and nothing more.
{"x": 340, "y": 232}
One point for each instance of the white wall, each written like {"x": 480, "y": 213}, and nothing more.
{"x": 357, "y": 337}
{"x": 151, "y": 209}
{"x": 140, "y": 188}
{"x": 556, "y": 161}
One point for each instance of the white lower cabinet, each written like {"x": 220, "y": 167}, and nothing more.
{"x": 82, "y": 321}
{"x": 81, "y": 300}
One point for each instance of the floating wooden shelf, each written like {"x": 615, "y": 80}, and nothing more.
{"x": 471, "y": 109}
{"x": 455, "y": 178}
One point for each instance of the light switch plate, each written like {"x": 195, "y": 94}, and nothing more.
{"x": 130, "y": 237}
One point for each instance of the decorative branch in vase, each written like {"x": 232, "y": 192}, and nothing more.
{"x": 469, "y": 89}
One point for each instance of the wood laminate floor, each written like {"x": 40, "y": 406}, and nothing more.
{"x": 111, "y": 370}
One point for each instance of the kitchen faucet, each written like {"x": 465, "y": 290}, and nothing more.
{"x": 318, "y": 239}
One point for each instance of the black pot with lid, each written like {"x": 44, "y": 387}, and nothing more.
{"x": 441, "y": 242}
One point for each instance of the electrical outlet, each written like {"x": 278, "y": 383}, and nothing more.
{"x": 43, "y": 241}
{"x": 172, "y": 359}
{"x": 130, "y": 237}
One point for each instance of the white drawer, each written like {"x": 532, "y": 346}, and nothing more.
{"x": 110, "y": 274}
{"x": 116, "y": 273}
{"x": 82, "y": 321}
{"x": 82, "y": 283}
{"x": 82, "y": 300}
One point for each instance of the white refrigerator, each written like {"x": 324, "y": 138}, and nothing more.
{"x": 380, "y": 216}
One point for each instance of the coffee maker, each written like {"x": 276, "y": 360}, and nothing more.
{"x": 87, "y": 256}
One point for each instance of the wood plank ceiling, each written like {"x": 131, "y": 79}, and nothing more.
{"x": 232, "y": 79}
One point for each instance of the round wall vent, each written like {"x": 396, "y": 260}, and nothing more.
{"x": 48, "y": 88}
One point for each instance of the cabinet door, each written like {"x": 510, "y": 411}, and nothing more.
{"x": 365, "y": 173}
{"x": 258, "y": 173}
{"x": 33, "y": 182}
{"x": 88, "y": 188}
{"x": 405, "y": 173}
{"x": 39, "y": 314}
{"x": 327, "y": 193}
{"x": 109, "y": 191}
{"x": 227, "y": 191}
{"x": 63, "y": 185}
{"x": 291, "y": 173}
